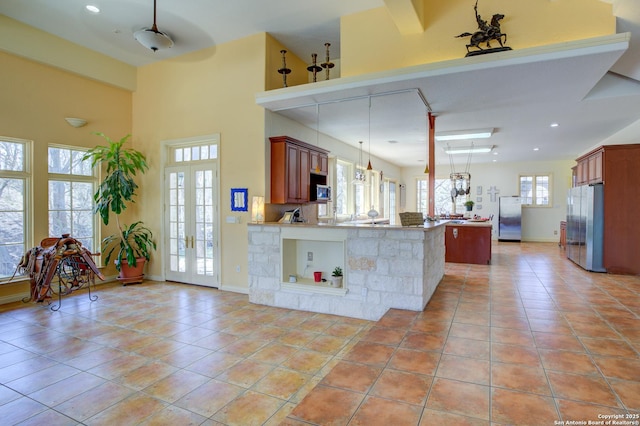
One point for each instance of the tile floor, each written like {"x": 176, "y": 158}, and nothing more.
{"x": 530, "y": 339}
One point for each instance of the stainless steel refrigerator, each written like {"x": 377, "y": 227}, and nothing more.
{"x": 510, "y": 219}
{"x": 585, "y": 226}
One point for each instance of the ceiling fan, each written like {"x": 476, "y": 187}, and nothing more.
{"x": 152, "y": 38}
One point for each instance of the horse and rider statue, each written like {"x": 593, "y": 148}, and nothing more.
{"x": 486, "y": 32}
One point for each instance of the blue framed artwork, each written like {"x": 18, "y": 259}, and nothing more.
{"x": 239, "y": 199}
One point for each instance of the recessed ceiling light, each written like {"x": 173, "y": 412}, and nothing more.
{"x": 494, "y": 160}
{"x": 93, "y": 9}
{"x": 392, "y": 141}
{"x": 536, "y": 149}
{"x": 554, "y": 124}
{"x": 495, "y": 153}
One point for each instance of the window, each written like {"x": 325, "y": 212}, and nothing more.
{"x": 344, "y": 176}
{"x": 443, "y": 205}
{"x": 14, "y": 185}
{"x": 323, "y": 208}
{"x": 195, "y": 152}
{"x": 374, "y": 193}
{"x": 72, "y": 184}
{"x": 535, "y": 190}
{"x": 357, "y": 198}
{"x": 422, "y": 196}
{"x": 390, "y": 209}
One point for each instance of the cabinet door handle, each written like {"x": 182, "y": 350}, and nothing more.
{"x": 192, "y": 242}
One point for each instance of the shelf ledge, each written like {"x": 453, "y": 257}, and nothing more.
{"x": 313, "y": 288}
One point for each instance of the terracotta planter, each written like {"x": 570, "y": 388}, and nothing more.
{"x": 132, "y": 274}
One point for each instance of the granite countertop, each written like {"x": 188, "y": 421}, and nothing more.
{"x": 342, "y": 225}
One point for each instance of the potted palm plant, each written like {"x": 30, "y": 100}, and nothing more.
{"x": 132, "y": 244}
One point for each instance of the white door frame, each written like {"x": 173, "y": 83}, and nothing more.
{"x": 167, "y": 163}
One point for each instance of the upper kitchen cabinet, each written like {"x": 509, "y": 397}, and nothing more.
{"x": 319, "y": 163}
{"x": 296, "y": 166}
{"x": 589, "y": 169}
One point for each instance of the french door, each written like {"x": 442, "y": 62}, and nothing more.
{"x": 191, "y": 224}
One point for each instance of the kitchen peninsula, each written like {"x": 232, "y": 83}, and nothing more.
{"x": 384, "y": 266}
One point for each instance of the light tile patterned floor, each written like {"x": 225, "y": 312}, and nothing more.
{"x": 530, "y": 339}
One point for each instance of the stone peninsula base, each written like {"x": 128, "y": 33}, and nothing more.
{"x": 384, "y": 267}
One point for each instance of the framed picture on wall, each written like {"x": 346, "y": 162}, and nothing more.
{"x": 239, "y": 199}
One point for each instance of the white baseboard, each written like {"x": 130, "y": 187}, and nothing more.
{"x": 234, "y": 288}
{"x": 16, "y": 297}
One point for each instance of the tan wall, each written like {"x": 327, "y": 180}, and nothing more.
{"x": 36, "y": 100}
{"x": 273, "y": 62}
{"x": 215, "y": 94}
{"x": 370, "y": 41}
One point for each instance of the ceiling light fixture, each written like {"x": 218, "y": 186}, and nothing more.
{"x": 318, "y": 135}
{"x": 359, "y": 177}
{"x": 464, "y": 134}
{"x": 469, "y": 149}
{"x": 76, "y": 122}
{"x": 93, "y": 9}
{"x": 151, "y": 38}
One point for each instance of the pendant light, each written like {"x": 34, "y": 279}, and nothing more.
{"x": 318, "y": 133}
{"x": 152, "y": 38}
{"x": 369, "y": 165}
{"x": 359, "y": 176}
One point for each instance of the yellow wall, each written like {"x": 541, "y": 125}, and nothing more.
{"x": 182, "y": 99}
{"x": 273, "y": 62}
{"x": 39, "y": 46}
{"x": 36, "y": 99}
{"x": 370, "y": 41}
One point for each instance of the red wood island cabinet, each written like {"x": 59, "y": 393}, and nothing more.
{"x": 468, "y": 243}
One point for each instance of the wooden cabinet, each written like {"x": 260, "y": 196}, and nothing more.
{"x": 293, "y": 170}
{"x": 594, "y": 173}
{"x": 468, "y": 243}
{"x": 297, "y": 164}
{"x": 617, "y": 167}
{"x": 319, "y": 163}
{"x": 590, "y": 168}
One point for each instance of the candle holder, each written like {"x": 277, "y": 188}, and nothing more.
{"x": 284, "y": 70}
{"x": 314, "y": 68}
{"x": 327, "y": 65}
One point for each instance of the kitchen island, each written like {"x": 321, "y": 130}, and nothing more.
{"x": 384, "y": 266}
{"x": 468, "y": 241}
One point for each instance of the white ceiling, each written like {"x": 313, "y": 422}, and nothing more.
{"x": 591, "y": 94}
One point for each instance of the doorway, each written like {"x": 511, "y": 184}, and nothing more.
{"x": 191, "y": 220}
